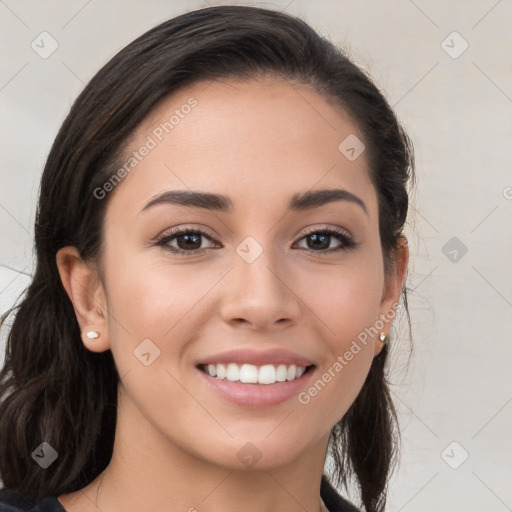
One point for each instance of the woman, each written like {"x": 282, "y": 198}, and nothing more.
{"x": 219, "y": 261}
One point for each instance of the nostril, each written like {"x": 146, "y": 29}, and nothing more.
{"x": 240, "y": 321}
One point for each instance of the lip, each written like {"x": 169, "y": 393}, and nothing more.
{"x": 257, "y": 395}
{"x": 257, "y": 358}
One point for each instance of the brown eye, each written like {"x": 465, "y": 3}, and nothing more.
{"x": 188, "y": 241}
{"x": 319, "y": 240}
{"x": 184, "y": 241}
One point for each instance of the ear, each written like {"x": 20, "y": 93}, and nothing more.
{"x": 86, "y": 292}
{"x": 393, "y": 285}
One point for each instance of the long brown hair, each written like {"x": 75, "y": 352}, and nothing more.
{"x": 51, "y": 388}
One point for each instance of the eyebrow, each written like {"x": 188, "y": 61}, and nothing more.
{"x": 216, "y": 202}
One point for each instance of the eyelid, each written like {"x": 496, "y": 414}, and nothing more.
{"x": 188, "y": 228}
{"x": 325, "y": 227}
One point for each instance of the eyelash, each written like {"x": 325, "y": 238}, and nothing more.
{"x": 346, "y": 240}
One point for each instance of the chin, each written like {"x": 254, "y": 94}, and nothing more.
{"x": 258, "y": 452}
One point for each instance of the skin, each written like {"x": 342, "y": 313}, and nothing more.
{"x": 258, "y": 142}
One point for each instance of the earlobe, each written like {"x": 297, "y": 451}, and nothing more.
{"x": 85, "y": 290}
{"x": 379, "y": 345}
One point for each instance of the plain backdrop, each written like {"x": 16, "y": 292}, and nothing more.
{"x": 445, "y": 68}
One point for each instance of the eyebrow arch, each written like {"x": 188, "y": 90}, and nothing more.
{"x": 195, "y": 199}
{"x": 316, "y": 198}
{"x": 299, "y": 202}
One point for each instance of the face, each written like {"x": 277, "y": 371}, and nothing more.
{"x": 241, "y": 319}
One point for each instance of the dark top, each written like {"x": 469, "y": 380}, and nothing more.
{"x": 12, "y": 501}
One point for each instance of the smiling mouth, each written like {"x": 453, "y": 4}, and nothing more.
{"x": 252, "y": 374}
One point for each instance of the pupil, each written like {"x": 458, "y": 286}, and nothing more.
{"x": 323, "y": 239}
{"x": 192, "y": 241}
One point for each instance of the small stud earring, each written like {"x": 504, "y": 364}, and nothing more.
{"x": 383, "y": 337}
{"x": 93, "y": 335}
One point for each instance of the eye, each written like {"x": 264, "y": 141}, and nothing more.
{"x": 187, "y": 241}
{"x": 318, "y": 240}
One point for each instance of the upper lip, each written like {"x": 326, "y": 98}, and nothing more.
{"x": 258, "y": 357}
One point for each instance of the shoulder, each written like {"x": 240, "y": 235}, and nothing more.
{"x": 13, "y": 501}
{"x": 333, "y": 501}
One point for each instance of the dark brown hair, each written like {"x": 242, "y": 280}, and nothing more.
{"x": 51, "y": 388}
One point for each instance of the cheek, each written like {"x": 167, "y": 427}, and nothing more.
{"x": 150, "y": 298}
{"x": 154, "y": 313}
{"x": 346, "y": 297}
{"x": 347, "y": 302}
{"x": 348, "y": 348}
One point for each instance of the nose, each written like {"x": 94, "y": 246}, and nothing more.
{"x": 260, "y": 295}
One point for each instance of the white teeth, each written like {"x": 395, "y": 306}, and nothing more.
{"x": 291, "y": 372}
{"x": 249, "y": 373}
{"x": 281, "y": 373}
{"x": 221, "y": 371}
{"x": 267, "y": 374}
{"x": 300, "y": 372}
{"x": 232, "y": 372}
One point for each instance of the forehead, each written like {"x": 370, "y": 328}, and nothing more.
{"x": 259, "y": 138}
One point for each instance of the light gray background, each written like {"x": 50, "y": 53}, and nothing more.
{"x": 457, "y": 386}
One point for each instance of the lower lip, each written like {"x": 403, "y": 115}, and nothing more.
{"x": 257, "y": 395}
